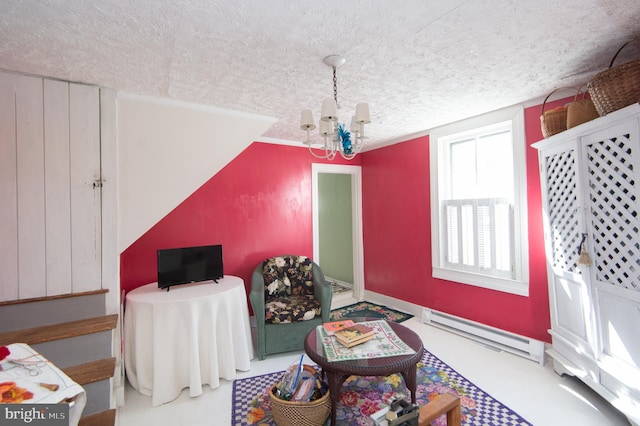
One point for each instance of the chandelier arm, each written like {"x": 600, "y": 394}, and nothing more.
{"x": 359, "y": 139}
{"x": 356, "y": 148}
{"x": 348, "y": 156}
{"x": 331, "y": 155}
{"x": 322, "y": 157}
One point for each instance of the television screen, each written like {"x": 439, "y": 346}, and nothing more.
{"x": 189, "y": 264}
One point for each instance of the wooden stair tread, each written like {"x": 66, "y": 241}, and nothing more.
{"x": 91, "y": 372}
{"x": 102, "y": 418}
{"x": 59, "y": 296}
{"x": 64, "y": 330}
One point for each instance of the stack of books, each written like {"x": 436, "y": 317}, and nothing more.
{"x": 354, "y": 335}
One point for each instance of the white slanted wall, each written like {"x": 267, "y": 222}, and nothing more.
{"x": 168, "y": 149}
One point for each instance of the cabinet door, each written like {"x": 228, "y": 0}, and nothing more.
{"x": 611, "y": 170}
{"x": 620, "y": 318}
{"x": 84, "y": 181}
{"x": 611, "y": 164}
{"x": 50, "y": 233}
{"x": 569, "y": 292}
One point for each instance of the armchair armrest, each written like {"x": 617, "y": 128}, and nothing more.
{"x": 257, "y": 295}
{"x": 323, "y": 292}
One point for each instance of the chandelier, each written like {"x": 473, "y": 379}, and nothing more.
{"x": 337, "y": 137}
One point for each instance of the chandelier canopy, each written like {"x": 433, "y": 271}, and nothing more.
{"x": 338, "y": 138}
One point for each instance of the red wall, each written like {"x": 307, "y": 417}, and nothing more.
{"x": 397, "y": 239}
{"x": 260, "y": 205}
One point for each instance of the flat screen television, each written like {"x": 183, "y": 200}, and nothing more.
{"x": 189, "y": 264}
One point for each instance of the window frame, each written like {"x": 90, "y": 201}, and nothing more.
{"x": 439, "y": 140}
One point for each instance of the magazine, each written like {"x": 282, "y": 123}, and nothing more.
{"x": 332, "y": 327}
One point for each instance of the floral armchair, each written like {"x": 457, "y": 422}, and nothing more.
{"x": 289, "y": 297}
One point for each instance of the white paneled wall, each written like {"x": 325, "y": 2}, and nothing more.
{"x": 8, "y": 191}
{"x": 30, "y": 186}
{"x": 58, "y": 194}
{"x": 49, "y": 186}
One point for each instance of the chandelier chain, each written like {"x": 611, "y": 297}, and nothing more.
{"x": 335, "y": 86}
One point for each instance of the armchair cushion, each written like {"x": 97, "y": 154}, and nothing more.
{"x": 286, "y": 276}
{"x": 291, "y": 309}
{"x": 288, "y": 290}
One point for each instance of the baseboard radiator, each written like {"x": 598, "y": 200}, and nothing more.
{"x": 490, "y": 336}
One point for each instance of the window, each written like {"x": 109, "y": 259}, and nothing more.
{"x": 478, "y": 199}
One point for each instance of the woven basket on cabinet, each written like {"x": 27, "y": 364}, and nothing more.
{"x": 554, "y": 121}
{"x": 580, "y": 110}
{"x": 616, "y": 87}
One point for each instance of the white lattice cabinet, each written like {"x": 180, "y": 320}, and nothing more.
{"x": 590, "y": 179}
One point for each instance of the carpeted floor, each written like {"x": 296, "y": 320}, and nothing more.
{"x": 362, "y": 396}
{"x": 369, "y": 310}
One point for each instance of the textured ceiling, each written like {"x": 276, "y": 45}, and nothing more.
{"x": 418, "y": 63}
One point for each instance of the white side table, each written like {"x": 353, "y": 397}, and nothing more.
{"x": 189, "y": 336}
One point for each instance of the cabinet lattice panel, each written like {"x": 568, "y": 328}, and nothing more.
{"x": 613, "y": 212}
{"x": 563, "y": 220}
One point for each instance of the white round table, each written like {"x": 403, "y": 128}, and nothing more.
{"x": 189, "y": 336}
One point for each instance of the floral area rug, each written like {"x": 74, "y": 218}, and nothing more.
{"x": 369, "y": 310}
{"x": 362, "y": 396}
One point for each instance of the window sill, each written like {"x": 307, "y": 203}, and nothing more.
{"x": 519, "y": 288}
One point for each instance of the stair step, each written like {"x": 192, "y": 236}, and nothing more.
{"x": 103, "y": 418}
{"x": 64, "y": 330}
{"x": 91, "y": 372}
{"x": 41, "y": 311}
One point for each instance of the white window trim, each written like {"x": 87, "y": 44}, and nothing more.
{"x": 520, "y": 283}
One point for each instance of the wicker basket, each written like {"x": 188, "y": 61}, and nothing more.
{"x": 294, "y": 413}
{"x": 554, "y": 121}
{"x": 580, "y": 110}
{"x": 616, "y": 87}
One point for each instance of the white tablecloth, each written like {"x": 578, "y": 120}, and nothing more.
{"x": 192, "y": 335}
{"x": 27, "y": 369}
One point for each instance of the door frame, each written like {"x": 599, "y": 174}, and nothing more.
{"x": 356, "y": 219}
